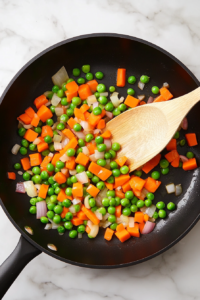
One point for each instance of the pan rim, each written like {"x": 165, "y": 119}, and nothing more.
{"x": 24, "y": 234}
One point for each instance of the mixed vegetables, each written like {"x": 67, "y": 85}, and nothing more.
{"x": 74, "y": 175}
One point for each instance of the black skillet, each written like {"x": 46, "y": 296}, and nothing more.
{"x": 106, "y": 53}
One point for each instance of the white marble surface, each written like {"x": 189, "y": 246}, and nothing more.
{"x": 26, "y": 28}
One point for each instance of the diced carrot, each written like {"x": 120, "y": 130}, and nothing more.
{"x": 62, "y": 196}
{"x": 101, "y": 124}
{"x": 171, "y": 145}
{"x": 146, "y": 217}
{"x": 35, "y": 159}
{"x": 76, "y": 221}
{"x": 44, "y": 113}
{"x": 123, "y": 235}
{"x": 82, "y": 159}
{"x": 63, "y": 213}
{"x": 70, "y": 95}
{"x": 72, "y": 144}
{"x": 68, "y": 133}
{"x": 109, "y": 186}
{"x": 159, "y": 99}
{"x": 94, "y": 120}
{"x": 120, "y": 227}
{"x": 151, "y": 163}
{"x": 142, "y": 103}
{"x": 55, "y": 158}
{"x": 131, "y": 101}
{"x": 122, "y": 179}
{"x": 39, "y": 101}
{"x": 137, "y": 193}
{"x": 107, "y": 134}
{"x": 71, "y": 122}
{"x": 118, "y": 211}
{"x": 60, "y": 177}
{"x": 137, "y": 183}
{"x": 121, "y": 77}
{"x": 25, "y": 119}
{"x": 84, "y": 108}
{"x": 152, "y": 185}
{"x": 134, "y": 231}
{"x": 43, "y": 191}
{"x": 191, "y": 139}
{"x": 126, "y": 187}
{"x": 87, "y": 115}
{"x": 172, "y": 155}
{"x": 30, "y": 112}
{"x": 190, "y": 164}
{"x": 119, "y": 194}
{"x": 90, "y": 215}
{"x": 47, "y": 130}
{"x": 42, "y": 146}
{"x": 35, "y": 121}
{"x": 91, "y": 147}
{"x": 175, "y": 162}
{"x": 77, "y": 189}
{"x": 78, "y": 114}
{"x": 87, "y": 229}
{"x": 93, "y": 85}
{"x": 139, "y": 217}
{"x": 45, "y": 162}
{"x": 99, "y": 171}
{"x": 84, "y": 91}
{"x": 82, "y": 216}
{"x": 121, "y": 160}
{"x": 11, "y": 175}
{"x": 108, "y": 234}
{"x": 141, "y": 226}
{"x": 166, "y": 93}
{"x": 30, "y": 135}
{"x": 92, "y": 190}
{"x": 70, "y": 164}
{"x": 72, "y": 86}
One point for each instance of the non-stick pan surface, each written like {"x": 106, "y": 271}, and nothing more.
{"x": 106, "y": 53}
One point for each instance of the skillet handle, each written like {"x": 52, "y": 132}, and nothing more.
{"x": 14, "y": 264}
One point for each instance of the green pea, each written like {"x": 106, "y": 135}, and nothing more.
{"x": 45, "y": 152}
{"x": 44, "y": 220}
{"x": 101, "y": 162}
{"x": 92, "y": 202}
{"x": 69, "y": 216}
{"x": 70, "y": 80}
{"x": 103, "y": 100}
{"x": 180, "y": 164}
{"x": 67, "y": 203}
{"x": 33, "y": 201}
{"x": 164, "y": 163}
{"x": 51, "y": 180}
{"x": 110, "y": 193}
{"x": 113, "y": 226}
{"x": 76, "y": 72}
{"x": 150, "y": 196}
{"x": 26, "y": 176}
{"x": 134, "y": 200}
{"x": 25, "y": 143}
{"x": 112, "y": 89}
{"x": 81, "y": 142}
{"x": 70, "y": 112}
{"x": 53, "y": 199}
{"x": 32, "y": 147}
{"x": 61, "y": 229}
{"x": 189, "y": 155}
{"x": 99, "y": 140}
{"x": 55, "y": 132}
{"x": 93, "y": 209}
{"x": 116, "y": 146}
{"x": 68, "y": 225}
{"x": 160, "y": 205}
{"x": 23, "y": 151}
{"x": 73, "y": 234}
{"x": 55, "y": 88}
{"x": 113, "y": 165}
{"x": 111, "y": 179}
{"x": 89, "y": 174}
{"x": 122, "y": 107}
{"x": 50, "y": 191}
{"x": 129, "y": 195}
{"x": 21, "y": 131}
{"x": 144, "y": 79}
{"x": 113, "y": 153}
{"x": 17, "y": 166}
{"x": 64, "y": 118}
{"x": 74, "y": 179}
{"x": 60, "y": 93}
{"x": 50, "y": 206}
{"x": 116, "y": 112}
{"x": 112, "y": 202}
{"x": 89, "y": 137}
{"x": 116, "y": 172}
{"x": 55, "y": 184}
{"x": 48, "y": 139}
{"x": 77, "y": 207}
{"x": 148, "y": 202}
{"x": 36, "y": 170}
{"x": 97, "y": 94}
{"x": 131, "y": 79}
{"x": 99, "y": 75}
{"x": 182, "y": 143}
{"x": 33, "y": 210}
{"x": 57, "y": 190}
{"x": 162, "y": 213}
{"x": 89, "y": 76}
{"x": 155, "y": 175}
{"x": 126, "y": 211}
{"x": 81, "y": 80}
{"x": 124, "y": 170}
{"x": 38, "y": 130}
{"x": 105, "y": 202}
{"x": 44, "y": 175}
{"x": 109, "y": 107}
{"x": 107, "y": 155}
{"x": 134, "y": 208}
{"x": 95, "y": 179}
{"x": 77, "y": 127}
{"x": 60, "y": 126}
{"x": 86, "y": 68}
{"x": 101, "y": 147}
{"x": 117, "y": 201}
{"x": 101, "y": 88}
{"x": 76, "y": 101}
{"x": 165, "y": 171}
{"x": 155, "y": 90}
{"x": 100, "y": 185}
{"x": 140, "y": 203}
{"x": 155, "y": 215}
{"x": 138, "y": 173}
{"x": 176, "y": 136}
{"x": 50, "y": 167}
{"x": 71, "y": 152}
{"x": 125, "y": 202}
{"x": 80, "y": 168}
{"x": 112, "y": 219}
{"x": 60, "y": 164}
{"x": 52, "y": 109}
{"x": 111, "y": 210}
{"x": 81, "y": 229}
{"x": 171, "y": 206}
{"x": 49, "y": 122}
{"x": 130, "y": 91}
{"x": 64, "y": 101}
{"x": 79, "y": 150}
{"x": 97, "y": 111}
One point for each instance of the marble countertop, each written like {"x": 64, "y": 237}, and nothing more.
{"x": 26, "y": 28}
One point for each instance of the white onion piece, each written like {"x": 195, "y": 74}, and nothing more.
{"x": 38, "y": 187}
{"x": 15, "y": 149}
{"x": 92, "y": 157}
{"x": 82, "y": 177}
{"x": 20, "y": 172}
{"x": 141, "y": 97}
{"x": 170, "y": 188}
{"x": 144, "y": 192}
{"x": 20, "y": 188}
{"x": 184, "y": 124}
{"x": 98, "y": 154}
{"x": 91, "y": 99}
{"x": 60, "y": 133}
{"x": 178, "y": 190}
{"x": 98, "y": 215}
{"x": 86, "y": 202}
{"x": 109, "y": 114}
{"x": 183, "y": 158}
{"x": 148, "y": 227}
{"x": 121, "y": 99}
{"x": 108, "y": 144}
{"x": 54, "y": 126}
{"x": 141, "y": 85}
{"x": 165, "y": 84}
{"x": 75, "y": 201}
{"x": 59, "y": 111}
{"x": 85, "y": 125}
{"x": 64, "y": 158}
{"x": 114, "y": 99}
{"x": 89, "y": 223}
{"x": 95, "y": 104}
{"x": 41, "y": 209}
{"x": 103, "y": 193}
{"x": 104, "y": 94}
{"x": 47, "y": 93}
{"x": 37, "y": 141}
{"x": 104, "y": 218}
{"x": 54, "y": 225}
{"x": 80, "y": 235}
{"x": 104, "y": 224}
{"x": 150, "y": 100}
{"x": 118, "y": 188}
{"x": 60, "y": 77}
{"x": 65, "y": 141}
{"x": 55, "y": 100}
{"x": 150, "y": 210}
{"x": 94, "y": 231}
{"x": 26, "y": 126}
{"x": 57, "y": 146}
{"x": 97, "y": 131}
{"x": 50, "y": 154}
{"x": 79, "y": 134}
{"x": 123, "y": 219}
{"x": 48, "y": 226}
{"x": 98, "y": 200}
{"x": 131, "y": 222}
{"x": 72, "y": 209}
{"x": 143, "y": 209}
{"x": 30, "y": 189}
{"x": 72, "y": 172}
{"x": 64, "y": 171}
{"x": 57, "y": 138}
{"x": 48, "y": 103}
{"x": 85, "y": 150}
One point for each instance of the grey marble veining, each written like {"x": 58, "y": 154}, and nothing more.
{"x": 28, "y": 27}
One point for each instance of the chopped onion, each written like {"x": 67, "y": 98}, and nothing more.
{"x": 105, "y": 224}
{"x": 95, "y": 104}
{"x": 150, "y": 100}
{"x": 38, "y": 187}
{"x": 98, "y": 200}
{"x": 48, "y": 226}
{"x": 60, "y": 77}
{"x": 131, "y": 222}
{"x": 72, "y": 172}
{"x": 76, "y": 201}
{"x": 55, "y": 100}
{"x": 109, "y": 114}
{"x": 178, "y": 189}
{"x": 165, "y": 84}
{"x": 91, "y": 99}
{"x": 108, "y": 143}
{"x": 54, "y": 225}
{"x": 98, "y": 215}
{"x": 47, "y": 93}
{"x": 104, "y": 94}
{"x": 85, "y": 150}
{"x": 72, "y": 209}
{"x": 64, "y": 158}
{"x": 92, "y": 157}
{"x": 170, "y": 188}
{"x": 98, "y": 154}
{"x": 82, "y": 177}
{"x": 15, "y": 149}
{"x": 150, "y": 210}
{"x": 97, "y": 131}
{"x": 85, "y": 125}
{"x": 30, "y": 172}
{"x": 79, "y": 134}
{"x": 57, "y": 138}
{"x": 148, "y": 227}
{"x": 80, "y": 235}
{"x": 48, "y": 103}
{"x": 50, "y": 154}
{"x": 141, "y": 85}
{"x": 20, "y": 172}
{"x": 103, "y": 193}
{"x": 184, "y": 124}
{"x": 37, "y": 141}
{"x": 59, "y": 111}
{"x": 89, "y": 223}
{"x": 183, "y": 158}
{"x": 121, "y": 99}
{"x": 144, "y": 192}
{"x": 143, "y": 209}
{"x": 141, "y": 97}
{"x": 118, "y": 188}
{"x": 64, "y": 171}
{"x": 94, "y": 231}
{"x": 123, "y": 219}
{"x": 41, "y": 209}
{"x": 30, "y": 189}
{"x": 86, "y": 202}
{"x": 60, "y": 133}
{"x": 20, "y": 188}
{"x": 26, "y": 126}
{"x": 105, "y": 217}
{"x": 57, "y": 146}
{"x": 114, "y": 99}
{"x": 65, "y": 142}
{"x": 54, "y": 126}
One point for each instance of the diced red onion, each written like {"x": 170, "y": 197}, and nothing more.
{"x": 85, "y": 125}
{"x": 131, "y": 222}
{"x": 141, "y": 97}
{"x": 15, "y": 149}
{"x": 94, "y": 231}
{"x": 97, "y": 131}
{"x": 148, "y": 227}
{"x": 165, "y": 84}
{"x": 150, "y": 100}
{"x": 150, "y": 210}
{"x": 30, "y": 189}
{"x": 184, "y": 124}
{"x": 48, "y": 103}
{"x": 60, "y": 77}
{"x": 109, "y": 114}
{"x": 20, "y": 188}
{"x": 178, "y": 190}
{"x": 98, "y": 154}
{"x": 50, "y": 154}
{"x": 72, "y": 172}
{"x": 65, "y": 141}
{"x": 170, "y": 188}
{"x": 75, "y": 201}
{"x": 41, "y": 209}
{"x": 82, "y": 177}
{"x": 114, "y": 99}
{"x": 57, "y": 146}
{"x": 37, "y": 141}
{"x": 89, "y": 224}
{"x": 86, "y": 202}
{"x": 80, "y": 235}
{"x": 91, "y": 99}
{"x": 141, "y": 85}
{"x": 98, "y": 215}
{"x": 144, "y": 192}
{"x": 64, "y": 158}
{"x": 183, "y": 158}
{"x": 108, "y": 144}
{"x": 95, "y": 104}
{"x": 59, "y": 111}
{"x": 92, "y": 157}
{"x": 104, "y": 94}
{"x": 79, "y": 134}
{"x": 64, "y": 171}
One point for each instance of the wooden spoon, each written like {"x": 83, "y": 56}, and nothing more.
{"x": 145, "y": 130}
